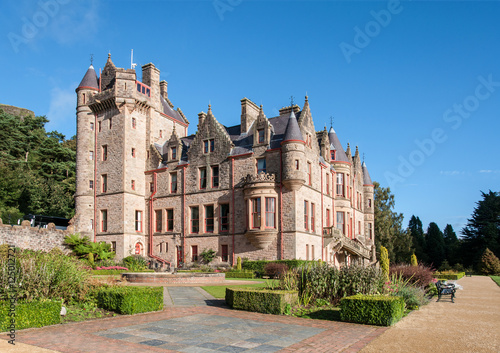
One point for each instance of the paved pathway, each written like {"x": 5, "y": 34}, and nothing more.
{"x": 188, "y": 296}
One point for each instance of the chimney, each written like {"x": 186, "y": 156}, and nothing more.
{"x": 249, "y": 113}
{"x": 163, "y": 89}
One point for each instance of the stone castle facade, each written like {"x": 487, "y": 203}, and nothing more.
{"x": 267, "y": 188}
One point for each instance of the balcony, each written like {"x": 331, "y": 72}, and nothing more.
{"x": 333, "y": 234}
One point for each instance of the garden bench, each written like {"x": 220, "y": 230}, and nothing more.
{"x": 445, "y": 289}
{"x": 468, "y": 274}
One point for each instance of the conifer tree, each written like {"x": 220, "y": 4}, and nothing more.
{"x": 384, "y": 262}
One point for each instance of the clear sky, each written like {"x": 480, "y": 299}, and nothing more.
{"x": 414, "y": 84}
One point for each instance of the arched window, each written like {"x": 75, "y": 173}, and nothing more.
{"x": 138, "y": 249}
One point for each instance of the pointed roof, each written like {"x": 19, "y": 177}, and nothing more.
{"x": 89, "y": 80}
{"x": 366, "y": 176}
{"x": 337, "y": 146}
{"x": 292, "y": 129}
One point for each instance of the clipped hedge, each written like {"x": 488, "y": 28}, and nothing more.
{"x": 259, "y": 265}
{"x": 236, "y": 274}
{"x": 30, "y": 314}
{"x": 131, "y": 300}
{"x": 114, "y": 272}
{"x": 372, "y": 309}
{"x": 449, "y": 276}
{"x": 261, "y": 301}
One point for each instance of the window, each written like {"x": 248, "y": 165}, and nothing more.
{"x": 262, "y": 135}
{"x": 104, "y": 220}
{"x": 327, "y": 184}
{"x": 309, "y": 173}
{"x": 104, "y": 179}
{"x": 134, "y": 123}
{"x": 91, "y": 155}
{"x": 224, "y": 217}
{"x": 224, "y": 253}
{"x": 113, "y": 246}
{"x": 195, "y": 219}
{"x": 161, "y": 133}
{"x": 212, "y": 145}
{"x": 138, "y": 248}
{"x": 194, "y": 253}
{"x": 110, "y": 123}
{"x": 91, "y": 184}
{"x": 105, "y": 152}
{"x": 209, "y": 218}
{"x": 313, "y": 212}
{"x": 132, "y": 184}
{"x": 215, "y": 176}
{"x": 261, "y": 165}
{"x": 332, "y": 155}
{"x": 328, "y": 217}
{"x": 208, "y": 146}
{"x": 151, "y": 187}
{"x": 307, "y": 251}
{"x": 340, "y": 184}
{"x": 84, "y": 98}
{"x": 359, "y": 227}
{"x": 91, "y": 126}
{"x": 369, "y": 202}
{"x": 296, "y": 164}
{"x": 370, "y": 230}
{"x": 256, "y": 213}
{"x": 133, "y": 152}
{"x": 173, "y": 152}
{"x": 203, "y": 178}
{"x": 340, "y": 222}
{"x": 99, "y": 126}
{"x": 159, "y": 220}
{"x": 173, "y": 183}
{"x": 312, "y": 252}
{"x": 306, "y": 219}
{"x": 138, "y": 221}
{"x": 147, "y": 154}
{"x": 270, "y": 212}
{"x": 170, "y": 220}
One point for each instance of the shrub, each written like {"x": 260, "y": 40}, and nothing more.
{"x": 275, "y": 270}
{"x": 131, "y": 300}
{"x": 384, "y": 262}
{"x": 236, "y": 274}
{"x": 208, "y": 255}
{"x": 135, "y": 263}
{"x": 258, "y": 265}
{"x": 419, "y": 275}
{"x": 262, "y": 301}
{"x": 373, "y": 310}
{"x": 238, "y": 263}
{"x": 30, "y": 314}
{"x": 490, "y": 264}
{"x": 413, "y": 260}
{"x": 449, "y": 275}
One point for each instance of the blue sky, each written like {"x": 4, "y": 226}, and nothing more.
{"x": 416, "y": 85}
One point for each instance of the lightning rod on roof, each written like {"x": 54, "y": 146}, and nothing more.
{"x": 132, "y": 64}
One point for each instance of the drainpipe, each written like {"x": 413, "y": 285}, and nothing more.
{"x": 234, "y": 208}
{"x": 282, "y": 250}
{"x": 354, "y": 208}
{"x": 322, "y": 238}
{"x": 183, "y": 213}
{"x": 95, "y": 174}
{"x": 151, "y": 228}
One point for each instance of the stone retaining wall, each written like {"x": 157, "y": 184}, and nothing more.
{"x": 174, "y": 278}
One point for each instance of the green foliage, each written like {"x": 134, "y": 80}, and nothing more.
{"x": 258, "y": 265}
{"x": 236, "y": 274}
{"x": 413, "y": 296}
{"x": 275, "y": 270}
{"x": 384, "y": 262}
{"x": 238, "y": 263}
{"x": 4, "y": 251}
{"x": 261, "y": 301}
{"x": 373, "y": 310}
{"x": 41, "y": 275}
{"x": 418, "y": 240}
{"x": 131, "y": 300}
{"x": 451, "y": 245}
{"x": 449, "y": 275}
{"x": 37, "y": 168}
{"x": 445, "y": 266}
{"x": 490, "y": 264}
{"x": 434, "y": 245}
{"x": 83, "y": 247}
{"x": 30, "y": 314}
{"x": 413, "y": 260}
{"x": 135, "y": 263}
{"x": 208, "y": 255}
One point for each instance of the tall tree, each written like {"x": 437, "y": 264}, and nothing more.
{"x": 388, "y": 231}
{"x": 482, "y": 230}
{"x": 451, "y": 245}
{"x": 434, "y": 245}
{"x": 418, "y": 239}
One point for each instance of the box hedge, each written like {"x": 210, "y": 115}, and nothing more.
{"x": 131, "y": 300}
{"x": 258, "y": 265}
{"x": 243, "y": 274}
{"x": 372, "y": 309}
{"x": 262, "y": 301}
{"x": 30, "y": 314}
{"x": 450, "y": 276}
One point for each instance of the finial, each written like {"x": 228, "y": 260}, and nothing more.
{"x": 91, "y": 59}
{"x": 291, "y": 100}
{"x": 209, "y": 107}
{"x": 363, "y": 157}
{"x": 261, "y": 107}
{"x": 307, "y": 98}
{"x": 109, "y": 54}
{"x": 331, "y": 121}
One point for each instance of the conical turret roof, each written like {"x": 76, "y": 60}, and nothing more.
{"x": 90, "y": 79}
{"x": 292, "y": 129}
{"x": 337, "y": 146}
{"x": 366, "y": 176}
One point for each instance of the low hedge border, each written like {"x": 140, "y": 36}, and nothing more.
{"x": 258, "y": 265}
{"x": 261, "y": 301}
{"x": 235, "y": 274}
{"x": 114, "y": 272}
{"x": 131, "y": 300}
{"x": 372, "y": 309}
{"x": 449, "y": 276}
{"x": 30, "y": 314}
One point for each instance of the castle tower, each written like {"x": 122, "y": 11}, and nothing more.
{"x": 368, "y": 194}
{"x": 85, "y": 154}
{"x": 293, "y": 157}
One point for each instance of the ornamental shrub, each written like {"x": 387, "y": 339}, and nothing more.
{"x": 236, "y": 274}
{"x": 384, "y": 262}
{"x": 131, "y": 300}
{"x": 490, "y": 264}
{"x": 372, "y": 309}
{"x": 275, "y": 270}
{"x": 238, "y": 263}
{"x": 208, "y": 255}
{"x": 135, "y": 263}
{"x": 413, "y": 260}
{"x": 419, "y": 276}
{"x": 37, "y": 313}
{"x": 261, "y": 300}
{"x": 258, "y": 265}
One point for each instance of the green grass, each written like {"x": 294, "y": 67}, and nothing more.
{"x": 496, "y": 279}
{"x": 220, "y": 291}
{"x": 84, "y": 311}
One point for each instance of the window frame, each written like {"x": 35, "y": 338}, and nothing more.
{"x": 194, "y": 253}
{"x": 270, "y": 214}
{"x": 104, "y": 220}
{"x": 169, "y": 221}
{"x": 256, "y": 208}
{"x": 340, "y": 185}
{"x": 340, "y": 221}
{"x": 209, "y": 219}
{"x": 224, "y": 251}
{"x": 223, "y": 220}
{"x": 138, "y": 221}
{"x": 134, "y": 123}
{"x": 91, "y": 184}
{"x": 193, "y": 220}
{"x": 261, "y": 135}
{"x": 133, "y": 152}
{"x": 214, "y": 176}
{"x": 261, "y": 170}
{"x": 306, "y": 217}
{"x": 104, "y": 153}
{"x": 173, "y": 153}
{"x": 173, "y": 183}
{"x": 104, "y": 183}
{"x": 158, "y": 221}
{"x": 309, "y": 173}
{"x": 202, "y": 173}
{"x": 313, "y": 218}
{"x": 132, "y": 184}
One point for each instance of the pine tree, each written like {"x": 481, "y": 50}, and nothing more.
{"x": 451, "y": 245}
{"x": 384, "y": 262}
{"x": 434, "y": 245}
{"x": 418, "y": 239}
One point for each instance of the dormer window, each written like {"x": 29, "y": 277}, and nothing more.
{"x": 173, "y": 153}
{"x": 332, "y": 155}
{"x": 208, "y": 146}
{"x": 261, "y": 135}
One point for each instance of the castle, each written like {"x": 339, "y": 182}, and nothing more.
{"x": 267, "y": 188}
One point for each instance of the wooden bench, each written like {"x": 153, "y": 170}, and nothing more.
{"x": 446, "y": 289}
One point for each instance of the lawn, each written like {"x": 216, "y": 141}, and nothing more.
{"x": 496, "y": 279}
{"x": 220, "y": 291}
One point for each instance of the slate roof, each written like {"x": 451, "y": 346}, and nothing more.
{"x": 167, "y": 109}
{"x": 337, "y": 146}
{"x": 90, "y": 79}
{"x": 292, "y": 129}
{"x": 366, "y": 176}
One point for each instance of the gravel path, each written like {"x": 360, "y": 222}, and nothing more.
{"x": 471, "y": 324}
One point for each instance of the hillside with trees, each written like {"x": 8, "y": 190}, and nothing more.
{"x": 37, "y": 169}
